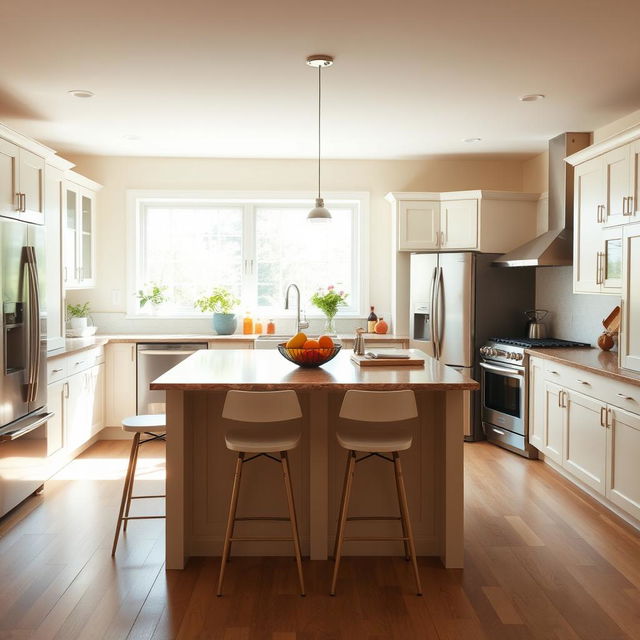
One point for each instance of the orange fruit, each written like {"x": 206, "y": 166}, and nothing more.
{"x": 297, "y": 341}
{"x": 311, "y": 344}
{"x": 325, "y": 342}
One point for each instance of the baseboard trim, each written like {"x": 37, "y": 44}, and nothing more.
{"x": 114, "y": 433}
{"x": 614, "y": 508}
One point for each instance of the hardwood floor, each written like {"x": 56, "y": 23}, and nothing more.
{"x": 543, "y": 560}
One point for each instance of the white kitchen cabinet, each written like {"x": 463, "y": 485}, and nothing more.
{"x": 589, "y": 208}
{"x": 56, "y": 392}
{"x": 96, "y": 384}
{"x": 485, "y": 221}
{"x": 536, "y": 403}
{"x": 418, "y": 225}
{"x": 617, "y": 179}
{"x": 79, "y": 236}
{"x": 55, "y": 294}
{"x": 120, "y": 382}
{"x": 553, "y": 423}
{"x": 610, "y": 257}
{"x": 21, "y": 182}
{"x": 623, "y": 471}
{"x": 77, "y": 425}
{"x": 629, "y": 343}
{"x": 585, "y": 442}
{"x": 633, "y": 207}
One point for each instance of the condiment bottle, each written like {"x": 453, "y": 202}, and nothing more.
{"x": 271, "y": 327}
{"x": 247, "y": 324}
{"x": 258, "y": 327}
{"x": 381, "y": 326}
{"x": 371, "y": 321}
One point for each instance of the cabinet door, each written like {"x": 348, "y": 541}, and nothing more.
{"x": 8, "y": 178}
{"x": 633, "y": 208}
{"x": 86, "y": 238}
{"x": 629, "y": 345}
{"x": 611, "y": 261}
{"x": 70, "y": 245}
{"x": 53, "y": 220}
{"x": 97, "y": 377}
{"x": 589, "y": 200}
{"x": 418, "y": 225}
{"x": 459, "y": 224}
{"x": 55, "y": 426}
{"x": 553, "y": 427}
{"x": 79, "y": 406}
{"x": 623, "y": 453}
{"x": 121, "y": 382}
{"x": 536, "y": 403}
{"x": 618, "y": 189}
{"x": 585, "y": 439}
{"x": 32, "y": 185}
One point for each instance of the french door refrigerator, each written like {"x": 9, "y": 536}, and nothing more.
{"x": 457, "y": 302}
{"x": 23, "y": 352}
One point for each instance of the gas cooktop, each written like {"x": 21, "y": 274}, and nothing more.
{"x": 539, "y": 343}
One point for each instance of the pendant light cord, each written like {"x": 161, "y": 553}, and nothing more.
{"x": 319, "y": 120}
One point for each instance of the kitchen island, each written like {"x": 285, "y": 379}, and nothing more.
{"x": 200, "y": 468}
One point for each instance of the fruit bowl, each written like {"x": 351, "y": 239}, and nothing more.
{"x": 309, "y": 357}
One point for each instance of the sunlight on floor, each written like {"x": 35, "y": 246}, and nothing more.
{"x": 111, "y": 469}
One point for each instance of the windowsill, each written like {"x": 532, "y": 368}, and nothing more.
{"x": 266, "y": 316}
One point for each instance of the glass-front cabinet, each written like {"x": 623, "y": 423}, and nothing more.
{"x": 79, "y": 236}
{"x": 611, "y": 261}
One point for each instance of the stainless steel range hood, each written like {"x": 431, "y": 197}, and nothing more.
{"x": 555, "y": 247}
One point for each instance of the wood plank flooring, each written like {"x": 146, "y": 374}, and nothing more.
{"x": 543, "y": 560}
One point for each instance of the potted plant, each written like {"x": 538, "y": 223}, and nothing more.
{"x": 77, "y": 315}
{"x": 221, "y": 303}
{"x": 154, "y": 294}
{"x": 328, "y": 302}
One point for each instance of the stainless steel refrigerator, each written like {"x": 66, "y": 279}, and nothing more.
{"x": 460, "y": 300}
{"x": 23, "y": 353}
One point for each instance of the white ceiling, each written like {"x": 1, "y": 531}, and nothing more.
{"x": 228, "y": 79}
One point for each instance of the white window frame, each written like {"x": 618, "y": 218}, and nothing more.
{"x": 138, "y": 198}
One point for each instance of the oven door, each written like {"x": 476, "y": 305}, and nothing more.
{"x": 503, "y": 397}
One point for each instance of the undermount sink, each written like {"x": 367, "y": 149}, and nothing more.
{"x": 279, "y": 337}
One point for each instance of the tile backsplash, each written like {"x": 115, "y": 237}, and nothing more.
{"x": 571, "y": 316}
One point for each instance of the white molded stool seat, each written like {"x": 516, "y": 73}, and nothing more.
{"x": 374, "y": 438}
{"x": 153, "y": 423}
{"x": 261, "y": 439}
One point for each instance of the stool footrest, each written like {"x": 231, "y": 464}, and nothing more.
{"x": 144, "y": 517}
{"x": 374, "y": 518}
{"x": 377, "y": 539}
{"x": 141, "y": 497}
{"x": 254, "y": 539}
{"x": 272, "y": 518}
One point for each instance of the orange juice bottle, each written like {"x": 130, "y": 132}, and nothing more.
{"x": 258, "y": 327}
{"x": 271, "y": 327}
{"x": 247, "y": 324}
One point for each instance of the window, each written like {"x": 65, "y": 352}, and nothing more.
{"x": 252, "y": 246}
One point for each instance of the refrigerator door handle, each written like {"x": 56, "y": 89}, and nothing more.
{"x": 34, "y": 324}
{"x": 432, "y": 322}
{"x": 436, "y": 313}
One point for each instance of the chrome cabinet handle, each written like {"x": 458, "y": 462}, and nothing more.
{"x": 56, "y": 370}
{"x": 626, "y": 206}
{"x": 559, "y": 398}
{"x": 555, "y": 373}
{"x": 599, "y": 274}
{"x": 583, "y": 382}
{"x": 603, "y": 417}
{"x": 66, "y": 389}
{"x": 600, "y": 213}
{"x": 500, "y": 433}
{"x": 624, "y": 397}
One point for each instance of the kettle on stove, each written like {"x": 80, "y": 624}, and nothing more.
{"x": 536, "y": 328}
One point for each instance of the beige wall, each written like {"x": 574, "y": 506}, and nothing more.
{"x": 611, "y": 129}
{"x": 378, "y": 177}
{"x": 535, "y": 173}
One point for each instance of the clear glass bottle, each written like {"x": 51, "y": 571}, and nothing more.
{"x": 371, "y": 321}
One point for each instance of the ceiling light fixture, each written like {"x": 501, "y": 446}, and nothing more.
{"x": 81, "y": 93}
{"x": 471, "y": 140}
{"x": 319, "y": 213}
{"x": 532, "y": 97}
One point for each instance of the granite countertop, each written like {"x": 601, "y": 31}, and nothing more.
{"x": 604, "y": 363}
{"x": 263, "y": 370}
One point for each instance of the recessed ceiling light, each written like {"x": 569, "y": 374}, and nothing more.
{"x": 471, "y": 140}
{"x": 532, "y": 97}
{"x": 81, "y": 93}
{"x": 131, "y": 137}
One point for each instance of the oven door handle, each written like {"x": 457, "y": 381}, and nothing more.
{"x": 516, "y": 372}
{"x": 32, "y": 425}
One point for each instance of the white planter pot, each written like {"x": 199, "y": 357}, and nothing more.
{"x": 78, "y": 323}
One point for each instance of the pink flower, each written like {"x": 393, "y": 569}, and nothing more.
{"x": 330, "y": 287}
{"x": 341, "y": 293}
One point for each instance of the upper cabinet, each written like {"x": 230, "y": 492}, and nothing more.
{"x": 78, "y": 231}
{"x": 21, "y": 183}
{"x": 485, "y": 221}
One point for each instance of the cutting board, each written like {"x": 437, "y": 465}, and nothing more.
{"x": 412, "y": 361}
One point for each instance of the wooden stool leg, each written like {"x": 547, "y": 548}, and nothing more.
{"x": 343, "y": 518}
{"x": 235, "y": 491}
{"x": 125, "y": 493}
{"x": 407, "y": 554}
{"x": 404, "y": 510}
{"x": 344, "y": 486}
{"x": 284, "y": 459}
{"x": 136, "y": 440}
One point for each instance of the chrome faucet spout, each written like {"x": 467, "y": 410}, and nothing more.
{"x": 299, "y": 324}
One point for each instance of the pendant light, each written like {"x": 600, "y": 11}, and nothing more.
{"x": 319, "y": 213}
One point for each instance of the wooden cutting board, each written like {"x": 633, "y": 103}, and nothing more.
{"x": 412, "y": 361}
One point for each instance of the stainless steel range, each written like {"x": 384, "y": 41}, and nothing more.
{"x": 504, "y": 393}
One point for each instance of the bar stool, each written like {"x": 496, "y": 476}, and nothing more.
{"x": 369, "y": 414}
{"x": 255, "y": 409}
{"x": 153, "y": 426}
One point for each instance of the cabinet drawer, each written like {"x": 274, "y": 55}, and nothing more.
{"x": 56, "y": 370}
{"x": 614, "y": 392}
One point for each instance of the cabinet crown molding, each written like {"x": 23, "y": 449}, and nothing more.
{"x": 443, "y": 196}
{"x": 618, "y": 140}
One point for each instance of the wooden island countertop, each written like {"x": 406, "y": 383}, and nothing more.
{"x": 268, "y": 370}
{"x": 200, "y": 468}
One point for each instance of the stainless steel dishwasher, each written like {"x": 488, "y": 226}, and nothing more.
{"x": 154, "y": 359}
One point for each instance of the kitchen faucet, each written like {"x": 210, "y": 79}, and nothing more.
{"x": 299, "y": 324}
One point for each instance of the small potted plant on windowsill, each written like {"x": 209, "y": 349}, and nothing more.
{"x": 221, "y": 303}
{"x": 154, "y": 295}
{"x": 329, "y": 301}
{"x": 77, "y": 315}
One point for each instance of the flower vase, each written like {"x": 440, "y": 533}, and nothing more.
{"x": 329, "y": 326}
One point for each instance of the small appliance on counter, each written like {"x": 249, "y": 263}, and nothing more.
{"x": 536, "y": 328}
{"x": 504, "y": 392}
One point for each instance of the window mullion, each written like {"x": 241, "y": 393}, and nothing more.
{"x": 250, "y": 267}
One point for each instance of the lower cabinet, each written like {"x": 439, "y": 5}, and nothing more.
{"x": 55, "y": 426}
{"x": 122, "y": 382}
{"x": 594, "y": 441}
